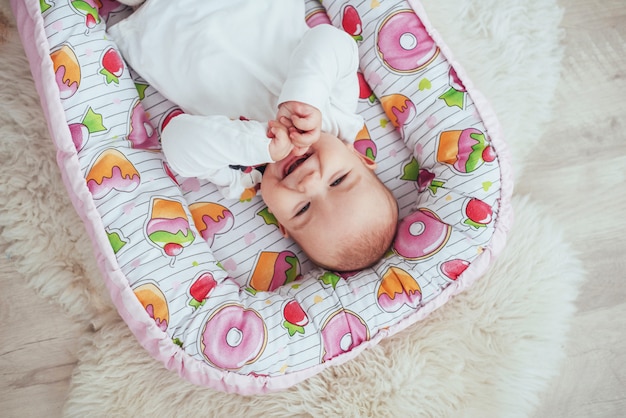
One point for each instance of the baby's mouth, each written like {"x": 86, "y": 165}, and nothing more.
{"x": 291, "y": 167}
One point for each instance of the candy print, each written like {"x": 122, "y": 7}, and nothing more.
{"x": 295, "y": 318}
{"x": 455, "y": 96}
{"x": 168, "y": 227}
{"x": 90, "y": 123}
{"x": 424, "y": 178}
{"x": 233, "y": 337}
{"x": 274, "y": 269}
{"x": 200, "y": 289}
{"x": 112, "y": 66}
{"x": 465, "y": 150}
{"x": 421, "y": 235}
{"x": 110, "y": 171}
{"x": 153, "y": 301}
{"x": 403, "y": 43}
{"x": 66, "y": 70}
{"x": 342, "y": 331}
{"x": 397, "y": 289}
{"x": 479, "y": 214}
{"x": 141, "y": 134}
{"x": 211, "y": 219}
{"x": 351, "y": 23}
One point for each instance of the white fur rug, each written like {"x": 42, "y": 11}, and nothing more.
{"x": 487, "y": 353}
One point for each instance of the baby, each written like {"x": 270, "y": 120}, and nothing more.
{"x": 259, "y": 87}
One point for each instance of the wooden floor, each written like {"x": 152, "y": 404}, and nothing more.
{"x": 37, "y": 357}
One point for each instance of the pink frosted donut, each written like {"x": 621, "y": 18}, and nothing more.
{"x": 317, "y": 17}
{"x": 420, "y": 235}
{"x": 404, "y": 44}
{"x": 233, "y": 337}
{"x": 342, "y": 331}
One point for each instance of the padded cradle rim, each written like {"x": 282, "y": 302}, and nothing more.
{"x": 151, "y": 337}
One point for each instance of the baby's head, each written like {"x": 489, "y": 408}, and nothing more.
{"x": 331, "y": 202}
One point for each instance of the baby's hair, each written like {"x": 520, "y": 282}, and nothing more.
{"x": 364, "y": 248}
{"x": 368, "y": 247}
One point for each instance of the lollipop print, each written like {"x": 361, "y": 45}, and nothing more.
{"x": 168, "y": 227}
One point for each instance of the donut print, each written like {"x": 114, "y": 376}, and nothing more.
{"x": 404, "y": 44}
{"x": 233, "y": 337}
{"x": 317, "y": 17}
{"x": 421, "y": 235}
{"x": 341, "y": 332}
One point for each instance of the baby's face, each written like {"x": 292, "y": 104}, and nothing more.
{"x": 323, "y": 195}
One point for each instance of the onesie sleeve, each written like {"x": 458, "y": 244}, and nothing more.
{"x": 323, "y": 73}
{"x": 205, "y": 147}
{"x": 323, "y": 59}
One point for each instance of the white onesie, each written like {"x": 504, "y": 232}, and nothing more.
{"x": 222, "y": 60}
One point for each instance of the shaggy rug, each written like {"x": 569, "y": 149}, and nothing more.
{"x": 488, "y": 352}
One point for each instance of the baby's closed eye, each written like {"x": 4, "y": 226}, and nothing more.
{"x": 303, "y": 209}
{"x": 339, "y": 180}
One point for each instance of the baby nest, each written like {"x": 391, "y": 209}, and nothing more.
{"x": 209, "y": 286}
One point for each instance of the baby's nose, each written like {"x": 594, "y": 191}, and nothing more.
{"x": 310, "y": 183}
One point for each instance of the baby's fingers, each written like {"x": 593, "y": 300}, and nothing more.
{"x": 304, "y": 139}
{"x": 304, "y": 123}
{"x": 280, "y": 146}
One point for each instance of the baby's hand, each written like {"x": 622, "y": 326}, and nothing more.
{"x": 281, "y": 145}
{"x": 303, "y": 121}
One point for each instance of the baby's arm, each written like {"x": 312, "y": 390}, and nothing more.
{"x": 199, "y": 146}
{"x": 324, "y": 64}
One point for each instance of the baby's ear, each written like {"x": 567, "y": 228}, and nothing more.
{"x": 283, "y": 231}
{"x": 369, "y": 163}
